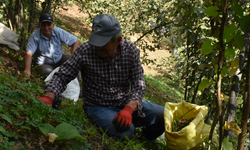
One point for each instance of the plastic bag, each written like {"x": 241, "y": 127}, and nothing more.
{"x": 73, "y": 88}
{"x": 8, "y": 37}
{"x": 191, "y": 135}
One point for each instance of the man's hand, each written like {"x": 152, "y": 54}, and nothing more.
{"x": 123, "y": 119}
{"x": 46, "y": 99}
{"x": 27, "y": 73}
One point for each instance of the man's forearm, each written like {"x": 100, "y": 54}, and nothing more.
{"x": 74, "y": 46}
{"x": 28, "y": 60}
{"x": 50, "y": 94}
{"x": 133, "y": 104}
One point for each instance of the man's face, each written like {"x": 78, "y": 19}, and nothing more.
{"x": 46, "y": 28}
{"x": 109, "y": 50}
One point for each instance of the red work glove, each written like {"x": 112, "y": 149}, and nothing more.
{"x": 123, "y": 119}
{"x": 46, "y": 99}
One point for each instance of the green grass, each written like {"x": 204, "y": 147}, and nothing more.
{"x": 161, "y": 90}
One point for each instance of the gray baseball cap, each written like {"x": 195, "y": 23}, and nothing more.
{"x": 104, "y": 27}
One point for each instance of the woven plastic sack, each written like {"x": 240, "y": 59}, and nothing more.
{"x": 73, "y": 88}
{"x": 191, "y": 135}
{"x": 8, "y": 37}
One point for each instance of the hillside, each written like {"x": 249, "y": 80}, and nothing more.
{"x": 24, "y": 110}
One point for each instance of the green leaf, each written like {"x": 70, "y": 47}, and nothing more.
{"x": 239, "y": 101}
{"x": 40, "y": 90}
{"x": 229, "y": 33}
{"x": 205, "y": 83}
{"x": 226, "y": 144}
{"x": 67, "y": 131}
{"x": 2, "y": 129}
{"x": 1, "y": 108}
{"x": 211, "y": 11}
{"x": 207, "y": 47}
{"x": 229, "y": 53}
{"x": 5, "y": 117}
{"x": 238, "y": 38}
{"x": 47, "y": 128}
{"x": 5, "y": 132}
{"x": 244, "y": 22}
{"x": 224, "y": 71}
{"x": 237, "y": 8}
{"x": 234, "y": 66}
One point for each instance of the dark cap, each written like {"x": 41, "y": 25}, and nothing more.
{"x": 46, "y": 18}
{"x": 104, "y": 27}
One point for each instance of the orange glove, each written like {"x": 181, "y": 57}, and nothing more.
{"x": 46, "y": 99}
{"x": 123, "y": 119}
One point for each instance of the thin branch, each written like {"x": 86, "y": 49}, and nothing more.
{"x": 150, "y": 31}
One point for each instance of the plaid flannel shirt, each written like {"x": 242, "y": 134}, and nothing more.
{"x": 105, "y": 83}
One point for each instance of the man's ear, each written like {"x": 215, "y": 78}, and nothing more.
{"x": 119, "y": 39}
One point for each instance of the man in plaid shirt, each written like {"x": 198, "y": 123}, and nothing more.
{"x": 113, "y": 83}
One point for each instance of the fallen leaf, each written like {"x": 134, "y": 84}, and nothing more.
{"x": 16, "y": 145}
{"x": 52, "y": 137}
{"x": 1, "y": 141}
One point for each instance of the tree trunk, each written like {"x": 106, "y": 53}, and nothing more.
{"x": 16, "y": 19}
{"x": 236, "y": 86}
{"x": 8, "y": 12}
{"x": 245, "y": 114}
{"x": 187, "y": 69}
{"x": 47, "y": 7}
{"x": 196, "y": 89}
{"x": 32, "y": 16}
{"x": 218, "y": 84}
{"x": 21, "y": 25}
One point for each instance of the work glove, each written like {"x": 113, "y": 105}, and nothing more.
{"x": 46, "y": 99}
{"x": 123, "y": 119}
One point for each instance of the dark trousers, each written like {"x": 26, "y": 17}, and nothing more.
{"x": 48, "y": 68}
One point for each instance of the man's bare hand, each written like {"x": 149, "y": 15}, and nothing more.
{"x": 27, "y": 73}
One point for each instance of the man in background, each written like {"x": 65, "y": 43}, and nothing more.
{"x": 45, "y": 44}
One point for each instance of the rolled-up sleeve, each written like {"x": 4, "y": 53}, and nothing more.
{"x": 66, "y": 37}
{"x": 138, "y": 86}
{"x": 32, "y": 43}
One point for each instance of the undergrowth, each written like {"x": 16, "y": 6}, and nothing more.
{"x": 25, "y": 121}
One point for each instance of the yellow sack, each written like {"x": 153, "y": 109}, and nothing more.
{"x": 191, "y": 135}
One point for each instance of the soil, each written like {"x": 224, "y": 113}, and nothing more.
{"x": 180, "y": 124}
{"x": 10, "y": 59}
